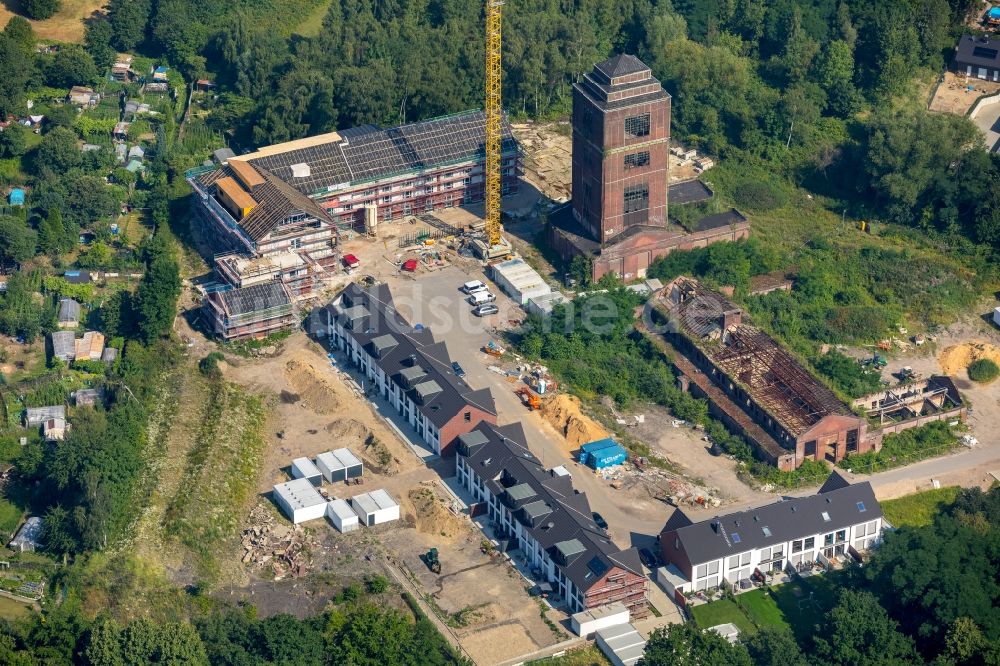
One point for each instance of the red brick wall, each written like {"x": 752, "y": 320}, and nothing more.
{"x": 458, "y": 425}
{"x": 669, "y": 553}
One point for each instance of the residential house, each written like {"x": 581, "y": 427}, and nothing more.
{"x": 538, "y": 512}
{"x": 69, "y": 313}
{"x": 254, "y": 311}
{"x": 842, "y": 520}
{"x": 406, "y": 367}
{"x": 82, "y": 96}
{"x": 978, "y": 57}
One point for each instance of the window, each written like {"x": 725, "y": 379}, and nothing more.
{"x": 734, "y": 561}
{"x": 810, "y": 543}
{"x": 637, "y": 126}
{"x": 797, "y": 546}
{"x": 810, "y": 448}
{"x": 861, "y": 507}
{"x": 828, "y": 539}
{"x": 766, "y": 530}
{"x": 636, "y": 197}
{"x": 765, "y": 555}
{"x": 713, "y": 567}
{"x": 842, "y": 535}
{"x": 745, "y": 559}
{"x": 826, "y": 517}
{"x": 701, "y": 571}
{"x": 736, "y": 537}
{"x": 467, "y": 416}
{"x": 852, "y": 441}
{"x": 778, "y": 551}
{"x": 386, "y": 199}
{"x": 636, "y": 160}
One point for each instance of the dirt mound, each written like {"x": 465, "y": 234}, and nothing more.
{"x": 347, "y": 432}
{"x": 431, "y": 514}
{"x": 954, "y": 360}
{"x": 564, "y": 412}
{"x": 313, "y": 389}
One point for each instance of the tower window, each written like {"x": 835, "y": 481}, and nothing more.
{"x": 637, "y": 126}
{"x": 636, "y": 160}
{"x": 636, "y": 198}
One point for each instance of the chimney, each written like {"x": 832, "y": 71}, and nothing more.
{"x": 731, "y": 318}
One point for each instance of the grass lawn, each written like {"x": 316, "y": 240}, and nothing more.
{"x": 587, "y": 656}
{"x": 12, "y": 610}
{"x": 65, "y": 26}
{"x": 805, "y": 602}
{"x": 722, "y": 612}
{"x": 312, "y": 22}
{"x": 763, "y": 609}
{"x": 920, "y": 508}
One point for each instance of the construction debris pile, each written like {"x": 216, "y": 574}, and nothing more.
{"x": 269, "y": 544}
{"x": 659, "y": 484}
{"x": 547, "y": 158}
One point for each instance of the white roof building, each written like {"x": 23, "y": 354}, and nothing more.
{"x": 591, "y": 620}
{"x": 339, "y": 465}
{"x": 303, "y": 468}
{"x": 519, "y": 281}
{"x": 621, "y": 644}
{"x": 299, "y": 500}
{"x": 29, "y": 536}
{"x": 375, "y": 507}
{"x": 342, "y": 515}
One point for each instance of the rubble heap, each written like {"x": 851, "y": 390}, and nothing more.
{"x": 270, "y": 544}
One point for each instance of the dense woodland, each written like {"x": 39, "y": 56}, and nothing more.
{"x": 929, "y": 595}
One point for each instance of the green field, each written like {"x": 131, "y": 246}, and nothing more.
{"x": 722, "y": 612}
{"x": 587, "y": 656}
{"x": 918, "y": 509}
{"x": 12, "y": 610}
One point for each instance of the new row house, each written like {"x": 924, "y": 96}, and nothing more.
{"x": 406, "y": 367}
{"x": 538, "y": 512}
{"x": 841, "y": 521}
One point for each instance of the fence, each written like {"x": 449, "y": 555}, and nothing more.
{"x": 417, "y": 238}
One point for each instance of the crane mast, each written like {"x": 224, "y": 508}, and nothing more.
{"x": 493, "y": 123}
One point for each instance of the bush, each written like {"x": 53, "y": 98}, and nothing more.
{"x": 983, "y": 371}
{"x": 40, "y": 9}
{"x": 209, "y": 365}
{"x": 759, "y": 195}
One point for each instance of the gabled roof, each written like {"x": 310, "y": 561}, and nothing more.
{"x": 978, "y": 51}
{"x": 556, "y": 515}
{"x": 622, "y": 64}
{"x": 69, "y": 310}
{"x": 416, "y": 363}
{"x": 837, "y": 505}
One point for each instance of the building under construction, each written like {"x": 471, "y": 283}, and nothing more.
{"x": 754, "y": 385}
{"x": 254, "y": 311}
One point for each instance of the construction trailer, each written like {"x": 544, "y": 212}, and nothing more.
{"x": 602, "y": 453}
{"x": 339, "y": 465}
{"x": 587, "y": 622}
{"x": 342, "y": 515}
{"x": 375, "y": 508}
{"x": 519, "y": 281}
{"x": 303, "y": 468}
{"x": 300, "y": 501}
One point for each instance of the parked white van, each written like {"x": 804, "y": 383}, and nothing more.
{"x": 473, "y": 286}
{"x": 480, "y": 297}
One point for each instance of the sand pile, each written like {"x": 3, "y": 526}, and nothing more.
{"x": 347, "y": 432}
{"x": 954, "y": 360}
{"x": 565, "y": 414}
{"x": 431, "y": 514}
{"x": 312, "y": 389}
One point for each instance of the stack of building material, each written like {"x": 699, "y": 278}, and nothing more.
{"x": 621, "y": 644}
{"x": 342, "y": 515}
{"x": 339, "y": 465}
{"x": 303, "y": 468}
{"x": 299, "y": 500}
{"x": 375, "y": 507}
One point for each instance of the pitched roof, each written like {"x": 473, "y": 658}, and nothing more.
{"x": 622, "y": 64}
{"x": 837, "y": 505}
{"x": 979, "y": 51}
{"x": 69, "y": 310}
{"x": 244, "y": 300}
{"x": 556, "y": 515}
{"x": 417, "y": 363}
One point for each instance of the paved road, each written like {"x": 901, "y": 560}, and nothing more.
{"x": 988, "y": 120}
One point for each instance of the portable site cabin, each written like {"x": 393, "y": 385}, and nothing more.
{"x": 621, "y": 644}
{"x": 996, "y": 316}
{"x": 339, "y": 465}
{"x": 299, "y": 500}
{"x": 303, "y": 468}
{"x": 602, "y": 453}
{"x": 586, "y": 622}
{"x": 375, "y": 507}
{"x": 342, "y": 515}
{"x": 519, "y": 281}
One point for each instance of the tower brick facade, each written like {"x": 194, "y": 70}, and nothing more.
{"x": 621, "y": 134}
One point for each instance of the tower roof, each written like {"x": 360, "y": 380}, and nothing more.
{"x": 622, "y": 64}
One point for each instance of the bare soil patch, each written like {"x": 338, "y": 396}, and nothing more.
{"x": 955, "y": 359}
{"x": 311, "y": 387}
{"x": 565, "y": 414}
{"x": 67, "y": 24}
{"x": 954, "y": 95}
{"x": 431, "y": 514}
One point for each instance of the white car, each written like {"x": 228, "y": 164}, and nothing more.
{"x": 480, "y": 297}
{"x": 473, "y": 286}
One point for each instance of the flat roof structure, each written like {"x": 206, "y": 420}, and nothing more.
{"x": 304, "y": 468}
{"x": 688, "y": 191}
{"x": 300, "y": 500}
{"x": 342, "y": 515}
{"x": 339, "y": 465}
{"x": 621, "y": 644}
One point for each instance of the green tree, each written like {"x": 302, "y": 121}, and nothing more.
{"x": 17, "y": 240}
{"x": 58, "y": 152}
{"x": 40, "y": 9}
{"x": 156, "y": 297}
{"x": 128, "y": 20}
{"x": 774, "y": 647}
{"x": 14, "y": 141}
{"x": 97, "y": 41}
{"x": 71, "y": 66}
{"x": 859, "y": 632}
{"x": 16, "y": 69}
{"x": 21, "y": 32}
{"x": 688, "y": 645}
{"x": 52, "y": 233}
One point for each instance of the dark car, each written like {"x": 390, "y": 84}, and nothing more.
{"x": 648, "y": 557}
{"x": 599, "y": 519}
{"x": 457, "y": 368}
{"x": 485, "y": 309}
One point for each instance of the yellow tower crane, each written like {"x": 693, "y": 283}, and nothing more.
{"x": 494, "y": 136}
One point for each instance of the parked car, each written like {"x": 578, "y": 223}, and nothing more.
{"x": 473, "y": 286}
{"x": 599, "y": 519}
{"x": 485, "y": 310}
{"x": 457, "y": 368}
{"x": 480, "y": 297}
{"x": 648, "y": 557}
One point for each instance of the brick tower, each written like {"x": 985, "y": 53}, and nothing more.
{"x": 621, "y": 134}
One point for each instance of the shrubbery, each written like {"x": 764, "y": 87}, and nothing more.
{"x": 983, "y": 370}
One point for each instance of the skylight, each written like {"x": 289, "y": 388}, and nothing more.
{"x": 826, "y": 517}
{"x": 736, "y": 537}
{"x": 861, "y": 507}
{"x": 766, "y": 530}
